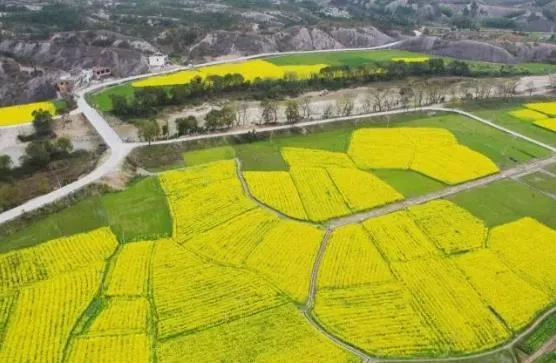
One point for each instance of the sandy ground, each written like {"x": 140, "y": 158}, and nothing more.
{"x": 76, "y": 128}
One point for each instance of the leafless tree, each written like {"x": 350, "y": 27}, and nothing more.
{"x": 380, "y": 96}
{"x": 435, "y": 91}
{"x": 345, "y": 104}
{"x": 328, "y": 112}
{"x": 406, "y": 96}
{"x": 242, "y": 113}
{"x": 367, "y": 106}
{"x": 306, "y": 107}
{"x": 269, "y": 112}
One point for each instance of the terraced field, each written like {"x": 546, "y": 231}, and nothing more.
{"x": 217, "y": 262}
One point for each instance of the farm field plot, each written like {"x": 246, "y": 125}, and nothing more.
{"x": 230, "y": 283}
{"x": 20, "y": 114}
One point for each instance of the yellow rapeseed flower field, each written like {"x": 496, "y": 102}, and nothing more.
{"x": 362, "y": 190}
{"x": 276, "y": 190}
{"x": 452, "y": 228}
{"x": 511, "y": 296}
{"x": 319, "y": 195}
{"x": 286, "y": 256}
{"x": 130, "y": 273}
{"x": 42, "y": 320}
{"x": 528, "y": 247}
{"x": 20, "y": 114}
{"x": 451, "y": 305}
{"x": 398, "y": 237}
{"x": 310, "y": 158}
{"x": 548, "y": 108}
{"x": 549, "y": 124}
{"x": 203, "y": 197}
{"x": 527, "y": 115}
{"x": 303, "y": 71}
{"x": 121, "y": 316}
{"x": 190, "y": 294}
{"x": 132, "y": 348}
{"x": 55, "y": 257}
{"x": 351, "y": 259}
{"x": 232, "y": 241}
{"x": 280, "y": 334}
{"x": 250, "y": 70}
{"x": 411, "y": 60}
{"x": 431, "y": 151}
{"x": 380, "y": 318}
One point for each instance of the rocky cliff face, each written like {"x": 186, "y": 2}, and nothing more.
{"x": 296, "y": 38}
{"x": 21, "y": 85}
{"x": 482, "y": 51}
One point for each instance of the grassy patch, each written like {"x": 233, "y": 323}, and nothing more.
{"x": 541, "y": 181}
{"x": 140, "y": 212}
{"x": 408, "y": 182}
{"x": 101, "y": 100}
{"x": 539, "y": 336}
{"x": 263, "y": 155}
{"x": 502, "y": 117}
{"x": 506, "y": 201}
{"x": 81, "y": 217}
{"x": 351, "y": 58}
{"x": 204, "y": 156}
{"x": 547, "y": 358}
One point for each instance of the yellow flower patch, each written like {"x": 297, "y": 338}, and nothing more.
{"x": 513, "y": 298}
{"x": 280, "y": 334}
{"x": 190, "y": 294}
{"x": 398, "y": 237}
{"x": 548, "y": 108}
{"x": 351, "y": 259}
{"x": 362, "y": 190}
{"x": 135, "y": 348}
{"x": 121, "y": 316}
{"x": 380, "y": 318}
{"x": 302, "y": 71}
{"x": 20, "y": 114}
{"x": 527, "y": 115}
{"x": 311, "y": 158}
{"x": 451, "y": 305}
{"x": 528, "y": 248}
{"x": 276, "y": 190}
{"x": 286, "y": 255}
{"x": 232, "y": 241}
{"x": 549, "y": 124}
{"x": 431, "y": 151}
{"x": 130, "y": 273}
{"x": 319, "y": 195}
{"x": 411, "y": 60}
{"x": 452, "y": 228}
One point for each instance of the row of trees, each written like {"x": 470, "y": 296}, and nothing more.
{"x": 412, "y": 94}
{"x": 147, "y": 100}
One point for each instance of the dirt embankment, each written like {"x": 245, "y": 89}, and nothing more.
{"x": 505, "y": 52}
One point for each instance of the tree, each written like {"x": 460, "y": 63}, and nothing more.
{"x": 186, "y": 125}
{"x": 306, "y": 107}
{"x": 406, "y": 95}
{"x": 120, "y": 106}
{"x": 292, "y": 112}
{"x": 228, "y": 115}
{"x": 269, "y": 112}
{"x": 5, "y": 165}
{"x": 328, "y": 112}
{"x": 148, "y": 130}
{"x": 37, "y": 153}
{"x": 530, "y": 87}
{"x": 552, "y": 80}
{"x": 380, "y": 96}
{"x": 345, "y": 105}
{"x": 42, "y": 122}
{"x": 63, "y": 146}
{"x": 242, "y": 113}
{"x": 474, "y": 9}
